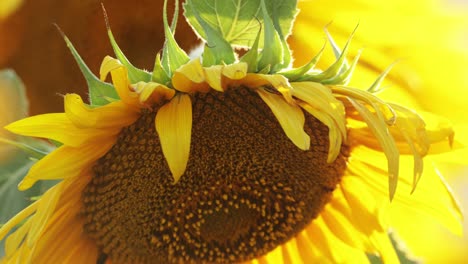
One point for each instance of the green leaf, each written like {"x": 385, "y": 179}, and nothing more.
{"x": 239, "y": 21}
{"x": 134, "y": 74}
{"x": 217, "y": 49}
{"x": 173, "y": 56}
{"x": 12, "y": 87}
{"x": 98, "y": 90}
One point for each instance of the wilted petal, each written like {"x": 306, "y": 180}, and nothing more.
{"x": 290, "y": 117}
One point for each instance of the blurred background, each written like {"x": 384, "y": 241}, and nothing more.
{"x": 428, "y": 37}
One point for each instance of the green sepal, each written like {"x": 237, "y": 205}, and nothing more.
{"x": 273, "y": 53}
{"x": 265, "y": 70}
{"x": 97, "y": 89}
{"x": 335, "y": 69}
{"x": 217, "y": 50}
{"x": 134, "y": 74}
{"x": 251, "y": 56}
{"x": 335, "y": 48}
{"x": 344, "y": 77}
{"x": 172, "y": 56}
{"x": 159, "y": 74}
{"x": 295, "y": 74}
{"x": 287, "y": 58}
{"x": 376, "y": 86}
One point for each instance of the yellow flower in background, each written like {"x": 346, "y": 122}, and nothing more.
{"x": 7, "y": 7}
{"x": 423, "y": 36}
{"x": 226, "y": 160}
{"x": 428, "y": 38}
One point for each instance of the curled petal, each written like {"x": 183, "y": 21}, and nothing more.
{"x": 116, "y": 114}
{"x": 154, "y": 92}
{"x": 321, "y": 98}
{"x": 335, "y": 137}
{"x": 257, "y": 80}
{"x": 119, "y": 78}
{"x": 109, "y": 64}
{"x": 190, "y": 77}
{"x": 214, "y": 78}
{"x": 174, "y": 127}
{"x": 290, "y": 117}
{"x": 381, "y": 132}
{"x": 235, "y": 71}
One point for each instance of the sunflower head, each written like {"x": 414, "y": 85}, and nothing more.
{"x": 218, "y": 158}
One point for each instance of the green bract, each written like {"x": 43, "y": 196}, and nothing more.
{"x": 224, "y": 26}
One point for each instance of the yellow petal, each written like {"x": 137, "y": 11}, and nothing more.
{"x": 18, "y": 218}
{"x": 363, "y": 204}
{"x": 58, "y": 127}
{"x": 320, "y": 102}
{"x": 276, "y": 81}
{"x": 290, "y": 117}
{"x": 44, "y": 210}
{"x": 290, "y": 253}
{"x": 380, "y": 130}
{"x": 330, "y": 246}
{"x": 190, "y": 77}
{"x": 321, "y": 98}
{"x": 307, "y": 249}
{"x": 385, "y": 248}
{"x": 154, "y": 93}
{"x": 119, "y": 78}
{"x": 66, "y": 220}
{"x": 66, "y": 162}
{"x": 235, "y": 71}
{"x": 213, "y": 77}
{"x": 174, "y": 127}
{"x": 272, "y": 256}
{"x": 432, "y": 199}
{"x": 334, "y": 135}
{"x": 116, "y": 114}
{"x": 107, "y": 65}
{"x": 337, "y": 222}
{"x": 21, "y": 255}
{"x": 14, "y": 240}
{"x": 439, "y": 129}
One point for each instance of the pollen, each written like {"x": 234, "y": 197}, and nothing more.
{"x": 246, "y": 190}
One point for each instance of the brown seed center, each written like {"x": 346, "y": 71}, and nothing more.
{"x": 246, "y": 190}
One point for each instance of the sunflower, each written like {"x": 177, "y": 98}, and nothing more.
{"x": 202, "y": 161}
